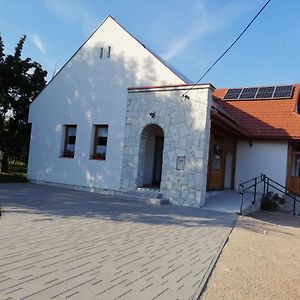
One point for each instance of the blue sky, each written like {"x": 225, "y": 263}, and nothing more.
{"x": 190, "y": 35}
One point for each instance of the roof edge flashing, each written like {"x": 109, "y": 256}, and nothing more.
{"x": 180, "y": 87}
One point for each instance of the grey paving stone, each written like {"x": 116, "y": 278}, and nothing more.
{"x": 63, "y": 244}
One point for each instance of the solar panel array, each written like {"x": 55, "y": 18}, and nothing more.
{"x": 266, "y": 92}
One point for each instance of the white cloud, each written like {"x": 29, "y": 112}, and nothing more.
{"x": 74, "y": 11}
{"x": 47, "y": 61}
{"x": 38, "y": 42}
{"x": 206, "y": 21}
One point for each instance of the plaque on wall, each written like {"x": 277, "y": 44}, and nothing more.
{"x": 180, "y": 163}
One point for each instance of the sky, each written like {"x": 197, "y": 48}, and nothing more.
{"x": 189, "y": 35}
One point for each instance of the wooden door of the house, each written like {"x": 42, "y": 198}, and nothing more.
{"x": 293, "y": 178}
{"x": 216, "y": 163}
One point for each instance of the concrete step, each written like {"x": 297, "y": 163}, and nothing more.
{"x": 149, "y": 196}
{"x": 146, "y": 192}
{"x": 213, "y": 193}
{"x": 156, "y": 201}
{"x": 248, "y": 206}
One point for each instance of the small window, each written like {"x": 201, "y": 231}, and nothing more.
{"x": 218, "y": 154}
{"x": 108, "y": 52}
{"x": 101, "y": 52}
{"x": 100, "y": 142}
{"x": 70, "y": 140}
{"x": 295, "y": 165}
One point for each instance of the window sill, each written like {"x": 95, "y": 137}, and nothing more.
{"x": 66, "y": 156}
{"x": 97, "y": 158}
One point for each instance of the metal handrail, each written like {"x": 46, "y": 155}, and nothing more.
{"x": 243, "y": 187}
{"x": 284, "y": 190}
{"x": 268, "y": 182}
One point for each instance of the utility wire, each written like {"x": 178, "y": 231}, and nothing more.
{"x": 232, "y": 44}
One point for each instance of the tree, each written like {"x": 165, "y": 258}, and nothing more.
{"x": 21, "y": 80}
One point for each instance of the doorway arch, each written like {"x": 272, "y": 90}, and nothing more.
{"x": 150, "y": 156}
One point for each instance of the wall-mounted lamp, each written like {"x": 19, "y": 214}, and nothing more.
{"x": 250, "y": 144}
{"x": 185, "y": 97}
{"x": 152, "y": 114}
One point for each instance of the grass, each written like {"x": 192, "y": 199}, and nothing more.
{"x": 17, "y": 173}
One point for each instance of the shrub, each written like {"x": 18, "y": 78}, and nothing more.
{"x": 281, "y": 200}
{"x": 269, "y": 202}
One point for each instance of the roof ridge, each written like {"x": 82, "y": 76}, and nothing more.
{"x": 164, "y": 62}
{"x": 172, "y": 69}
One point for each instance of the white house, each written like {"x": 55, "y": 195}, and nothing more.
{"x": 117, "y": 119}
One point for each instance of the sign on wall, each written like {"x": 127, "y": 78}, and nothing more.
{"x": 180, "y": 163}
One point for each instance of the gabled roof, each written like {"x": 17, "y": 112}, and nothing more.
{"x": 109, "y": 17}
{"x": 264, "y": 119}
{"x": 173, "y": 69}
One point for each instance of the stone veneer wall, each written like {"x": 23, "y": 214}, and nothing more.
{"x": 186, "y": 126}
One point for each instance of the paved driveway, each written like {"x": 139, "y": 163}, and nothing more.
{"x": 63, "y": 244}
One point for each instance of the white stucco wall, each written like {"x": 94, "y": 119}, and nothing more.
{"x": 268, "y": 158}
{"x": 87, "y": 91}
{"x": 186, "y": 127}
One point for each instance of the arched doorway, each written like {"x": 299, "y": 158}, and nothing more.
{"x": 150, "y": 156}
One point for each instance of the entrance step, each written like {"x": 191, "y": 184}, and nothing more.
{"x": 155, "y": 201}
{"x": 150, "y": 196}
{"x": 214, "y": 193}
{"x": 146, "y": 193}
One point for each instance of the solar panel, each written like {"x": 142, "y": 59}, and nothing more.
{"x": 248, "y": 93}
{"x": 265, "y": 92}
{"x": 232, "y": 94}
{"x": 283, "y": 91}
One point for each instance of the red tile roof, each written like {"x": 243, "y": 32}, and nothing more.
{"x": 264, "y": 119}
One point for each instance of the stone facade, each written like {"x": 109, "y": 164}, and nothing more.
{"x": 185, "y": 123}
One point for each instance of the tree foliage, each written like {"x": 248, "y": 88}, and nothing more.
{"x": 21, "y": 80}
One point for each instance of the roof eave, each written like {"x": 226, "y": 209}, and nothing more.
{"x": 171, "y": 87}
{"x": 216, "y": 116}
{"x": 277, "y": 138}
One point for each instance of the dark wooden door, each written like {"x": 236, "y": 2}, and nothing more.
{"x": 293, "y": 178}
{"x": 216, "y": 164}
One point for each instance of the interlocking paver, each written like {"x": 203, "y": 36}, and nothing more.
{"x": 63, "y": 244}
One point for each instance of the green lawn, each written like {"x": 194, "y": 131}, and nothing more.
{"x": 17, "y": 173}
